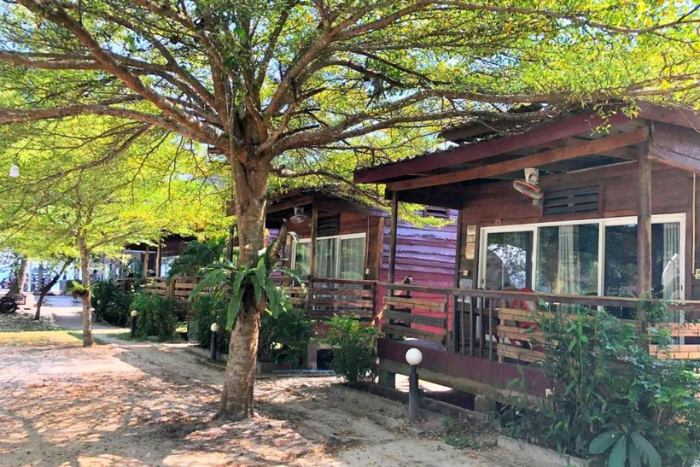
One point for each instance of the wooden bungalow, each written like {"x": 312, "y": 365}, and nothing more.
{"x": 343, "y": 251}
{"x": 608, "y": 216}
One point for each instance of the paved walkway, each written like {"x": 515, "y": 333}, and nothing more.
{"x": 67, "y": 313}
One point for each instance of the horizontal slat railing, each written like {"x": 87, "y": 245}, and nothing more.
{"x": 323, "y": 298}
{"x": 500, "y": 324}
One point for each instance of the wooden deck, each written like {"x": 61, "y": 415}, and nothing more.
{"x": 494, "y": 339}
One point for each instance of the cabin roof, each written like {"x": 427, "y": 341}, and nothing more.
{"x": 561, "y": 140}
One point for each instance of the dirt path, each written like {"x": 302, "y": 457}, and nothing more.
{"x": 147, "y": 404}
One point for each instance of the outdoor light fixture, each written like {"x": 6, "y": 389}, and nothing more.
{"x": 14, "y": 170}
{"x": 134, "y": 315}
{"x": 214, "y": 331}
{"x": 413, "y": 357}
{"x": 299, "y": 217}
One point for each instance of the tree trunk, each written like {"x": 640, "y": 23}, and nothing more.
{"x": 251, "y": 207}
{"x": 17, "y": 286}
{"x": 48, "y": 286}
{"x": 87, "y": 306}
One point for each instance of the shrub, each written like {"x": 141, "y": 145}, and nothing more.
{"x": 284, "y": 338}
{"x": 354, "y": 356}
{"x": 604, "y": 381}
{"x": 157, "y": 316}
{"x": 111, "y": 303}
{"x": 208, "y": 309}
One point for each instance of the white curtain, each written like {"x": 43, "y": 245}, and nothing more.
{"x": 352, "y": 258}
{"x": 671, "y": 274}
{"x": 326, "y": 258}
{"x": 569, "y": 267}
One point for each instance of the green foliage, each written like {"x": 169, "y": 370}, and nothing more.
{"x": 196, "y": 256}
{"x": 111, "y": 303}
{"x": 605, "y": 381}
{"x": 208, "y": 309}
{"x": 354, "y": 355}
{"x": 624, "y": 447}
{"x": 283, "y": 338}
{"x": 157, "y": 316}
{"x": 228, "y": 279}
{"x": 77, "y": 289}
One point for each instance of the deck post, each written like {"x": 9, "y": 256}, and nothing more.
{"x": 644, "y": 282}
{"x": 159, "y": 253}
{"x": 314, "y": 235}
{"x": 393, "y": 235}
{"x": 146, "y": 255}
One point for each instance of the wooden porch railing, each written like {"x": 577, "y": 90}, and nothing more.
{"x": 324, "y": 298}
{"x": 178, "y": 289}
{"x": 499, "y": 324}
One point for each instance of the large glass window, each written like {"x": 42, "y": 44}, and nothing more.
{"x": 352, "y": 258}
{"x": 567, "y": 259}
{"x": 621, "y": 260}
{"x": 592, "y": 258}
{"x": 508, "y": 260}
{"x": 302, "y": 258}
{"x": 336, "y": 257}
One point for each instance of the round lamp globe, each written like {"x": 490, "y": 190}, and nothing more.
{"x": 414, "y": 356}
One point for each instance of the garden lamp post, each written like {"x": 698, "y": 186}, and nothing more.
{"x": 413, "y": 357}
{"x": 134, "y": 316}
{"x": 214, "y": 331}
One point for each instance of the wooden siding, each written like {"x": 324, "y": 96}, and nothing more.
{"x": 499, "y": 204}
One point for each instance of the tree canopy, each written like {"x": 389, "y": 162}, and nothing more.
{"x": 313, "y": 88}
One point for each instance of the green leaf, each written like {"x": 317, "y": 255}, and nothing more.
{"x": 234, "y": 307}
{"x": 214, "y": 278}
{"x": 647, "y": 452}
{"x": 633, "y": 455}
{"x": 273, "y": 296}
{"x": 603, "y": 442}
{"x": 618, "y": 453}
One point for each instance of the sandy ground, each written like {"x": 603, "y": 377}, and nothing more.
{"x": 131, "y": 404}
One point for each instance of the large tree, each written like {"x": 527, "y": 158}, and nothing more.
{"x": 268, "y": 83}
{"x": 91, "y": 186}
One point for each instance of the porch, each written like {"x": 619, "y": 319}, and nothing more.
{"x": 490, "y": 340}
{"x": 592, "y": 207}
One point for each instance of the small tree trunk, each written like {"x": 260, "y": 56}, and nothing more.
{"x": 87, "y": 308}
{"x": 48, "y": 286}
{"x": 251, "y": 207}
{"x": 17, "y": 286}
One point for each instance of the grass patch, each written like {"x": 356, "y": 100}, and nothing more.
{"x": 39, "y": 338}
{"x": 126, "y": 336}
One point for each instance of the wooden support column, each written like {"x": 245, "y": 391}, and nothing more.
{"x": 393, "y": 234}
{"x": 644, "y": 284}
{"x": 159, "y": 253}
{"x": 146, "y": 254}
{"x": 314, "y": 234}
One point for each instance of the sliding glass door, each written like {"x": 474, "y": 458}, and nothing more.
{"x": 508, "y": 260}
{"x": 336, "y": 257}
{"x": 596, "y": 257}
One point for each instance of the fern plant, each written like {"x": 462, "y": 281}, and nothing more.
{"x": 229, "y": 280}
{"x": 625, "y": 446}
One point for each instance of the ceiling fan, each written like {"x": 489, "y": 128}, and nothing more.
{"x": 529, "y": 186}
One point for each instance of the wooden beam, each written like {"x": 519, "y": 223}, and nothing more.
{"x": 675, "y": 146}
{"x": 282, "y": 206}
{"x": 146, "y": 254}
{"x": 159, "y": 253}
{"x": 536, "y": 160}
{"x": 644, "y": 283}
{"x": 314, "y": 234}
{"x": 584, "y": 123}
{"x": 393, "y": 235}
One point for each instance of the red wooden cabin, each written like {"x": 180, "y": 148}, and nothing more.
{"x": 617, "y": 220}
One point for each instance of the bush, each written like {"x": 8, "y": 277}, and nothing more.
{"x": 157, "y": 316}
{"x": 208, "y": 309}
{"x": 354, "y": 356}
{"x": 284, "y": 338}
{"x": 111, "y": 303}
{"x": 605, "y": 381}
